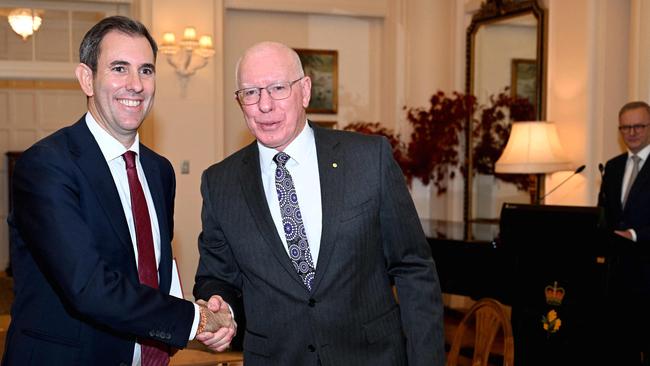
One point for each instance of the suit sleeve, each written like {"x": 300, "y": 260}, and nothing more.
{"x": 411, "y": 266}
{"x": 49, "y": 215}
{"x": 217, "y": 272}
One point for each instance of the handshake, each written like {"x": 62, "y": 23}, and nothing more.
{"x": 216, "y": 325}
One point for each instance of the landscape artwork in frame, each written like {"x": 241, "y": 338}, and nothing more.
{"x": 523, "y": 82}
{"x": 322, "y": 67}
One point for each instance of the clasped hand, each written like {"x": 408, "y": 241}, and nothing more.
{"x": 220, "y": 327}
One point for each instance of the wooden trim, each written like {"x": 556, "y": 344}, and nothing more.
{"x": 39, "y": 84}
{"x": 357, "y": 8}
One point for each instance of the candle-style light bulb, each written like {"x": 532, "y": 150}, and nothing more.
{"x": 169, "y": 39}
{"x": 189, "y": 34}
{"x": 205, "y": 42}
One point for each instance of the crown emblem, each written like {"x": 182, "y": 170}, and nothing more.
{"x": 554, "y": 294}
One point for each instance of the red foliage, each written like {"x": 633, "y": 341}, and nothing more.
{"x": 432, "y": 153}
{"x": 433, "y": 150}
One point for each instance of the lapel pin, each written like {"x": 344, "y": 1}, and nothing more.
{"x": 335, "y": 165}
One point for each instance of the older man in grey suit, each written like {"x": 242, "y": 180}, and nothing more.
{"x": 312, "y": 227}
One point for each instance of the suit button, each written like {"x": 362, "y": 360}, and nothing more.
{"x": 311, "y": 303}
{"x": 311, "y": 348}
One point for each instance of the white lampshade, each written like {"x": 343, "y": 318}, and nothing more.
{"x": 533, "y": 147}
{"x": 24, "y": 21}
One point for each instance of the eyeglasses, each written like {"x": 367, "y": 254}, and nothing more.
{"x": 636, "y": 128}
{"x": 277, "y": 91}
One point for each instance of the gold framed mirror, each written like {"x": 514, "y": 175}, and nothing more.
{"x": 506, "y": 53}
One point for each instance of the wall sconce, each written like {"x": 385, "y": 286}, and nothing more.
{"x": 533, "y": 148}
{"x": 24, "y": 21}
{"x": 189, "y": 55}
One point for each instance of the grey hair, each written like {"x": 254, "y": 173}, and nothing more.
{"x": 634, "y": 105}
{"x": 266, "y": 46}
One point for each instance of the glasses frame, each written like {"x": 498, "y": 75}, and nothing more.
{"x": 636, "y": 128}
{"x": 240, "y": 98}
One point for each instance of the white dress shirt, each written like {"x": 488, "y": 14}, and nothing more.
{"x": 303, "y": 167}
{"x": 113, "y": 151}
{"x": 643, "y": 154}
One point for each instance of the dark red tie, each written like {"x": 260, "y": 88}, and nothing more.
{"x": 153, "y": 353}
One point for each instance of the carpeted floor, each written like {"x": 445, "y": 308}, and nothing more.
{"x": 6, "y": 293}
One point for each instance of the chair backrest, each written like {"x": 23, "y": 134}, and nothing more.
{"x": 488, "y": 317}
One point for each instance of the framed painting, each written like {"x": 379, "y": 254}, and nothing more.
{"x": 322, "y": 67}
{"x": 523, "y": 82}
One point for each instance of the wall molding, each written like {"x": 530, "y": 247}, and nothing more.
{"x": 357, "y": 8}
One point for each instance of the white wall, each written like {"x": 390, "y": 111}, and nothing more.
{"x": 587, "y": 83}
{"x": 185, "y": 128}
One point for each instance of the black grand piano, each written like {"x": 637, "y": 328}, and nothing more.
{"x": 549, "y": 263}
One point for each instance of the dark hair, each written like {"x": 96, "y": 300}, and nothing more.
{"x": 90, "y": 45}
{"x": 634, "y": 105}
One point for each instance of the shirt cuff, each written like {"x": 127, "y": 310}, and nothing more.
{"x": 195, "y": 323}
{"x": 633, "y": 234}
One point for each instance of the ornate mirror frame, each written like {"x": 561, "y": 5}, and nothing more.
{"x": 493, "y": 11}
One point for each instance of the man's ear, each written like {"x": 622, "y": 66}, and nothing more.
{"x": 306, "y": 91}
{"x": 241, "y": 106}
{"x": 85, "y": 77}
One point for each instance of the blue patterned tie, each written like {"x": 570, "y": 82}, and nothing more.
{"x": 294, "y": 229}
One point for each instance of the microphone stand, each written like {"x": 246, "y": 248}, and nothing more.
{"x": 577, "y": 171}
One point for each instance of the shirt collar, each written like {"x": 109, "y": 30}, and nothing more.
{"x": 643, "y": 153}
{"x": 110, "y": 147}
{"x": 297, "y": 149}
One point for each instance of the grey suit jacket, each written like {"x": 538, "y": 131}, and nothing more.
{"x": 371, "y": 238}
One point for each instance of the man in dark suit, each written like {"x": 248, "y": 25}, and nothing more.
{"x": 627, "y": 201}
{"x": 92, "y": 225}
{"x": 311, "y": 227}
{"x": 625, "y": 197}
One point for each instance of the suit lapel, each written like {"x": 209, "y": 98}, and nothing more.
{"x": 154, "y": 181}
{"x": 250, "y": 180}
{"x": 91, "y": 162}
{"x": 332, "y": 179}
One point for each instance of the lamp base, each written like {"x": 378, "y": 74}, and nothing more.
{"x": 536, "y": 187}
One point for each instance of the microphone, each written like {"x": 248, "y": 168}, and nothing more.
{"x": 577, "y": 171}
{"x": 602, "y": 198}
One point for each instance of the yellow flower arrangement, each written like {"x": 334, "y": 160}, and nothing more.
{"x": 551, "y": 322}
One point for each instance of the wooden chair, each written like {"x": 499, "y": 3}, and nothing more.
{"x": 488, "y": 317}
{"x": 193, "y": 357}
{"x": 196, "y": 354}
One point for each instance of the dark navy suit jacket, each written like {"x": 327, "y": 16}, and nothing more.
{"x": 636, "y": 214}
{"x": 78, "y": 298}
{"x": 633, "y": 270}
